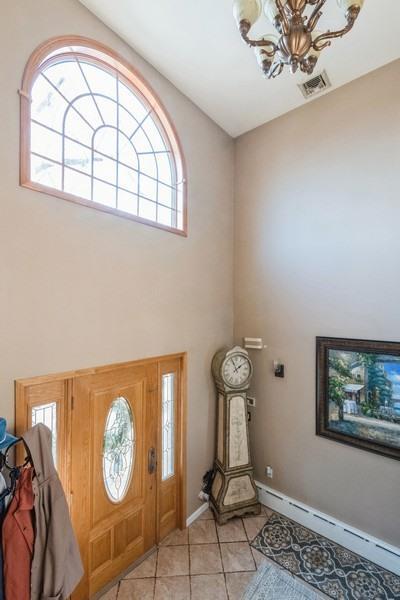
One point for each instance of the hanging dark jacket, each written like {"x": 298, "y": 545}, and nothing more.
{"x": 56, "y": 566}
{"x": 18, "y": 535}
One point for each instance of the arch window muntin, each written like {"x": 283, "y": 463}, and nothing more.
{"x": 83, "y": 51}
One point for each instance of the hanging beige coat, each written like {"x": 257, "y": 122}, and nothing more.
{"x": 56, "y": 566}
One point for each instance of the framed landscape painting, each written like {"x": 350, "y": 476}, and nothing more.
{"x": 358, "y": 393}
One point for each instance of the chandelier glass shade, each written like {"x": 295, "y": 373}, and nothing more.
{"x": 298, "y": 42}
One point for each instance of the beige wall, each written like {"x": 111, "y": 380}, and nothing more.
{"x": 79, "y": 287}
{"x": 318, "y": 253}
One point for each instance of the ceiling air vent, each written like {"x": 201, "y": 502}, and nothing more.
{"x": 315, "y": 85}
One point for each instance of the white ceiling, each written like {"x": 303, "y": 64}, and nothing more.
{"x": 195, "y": 44}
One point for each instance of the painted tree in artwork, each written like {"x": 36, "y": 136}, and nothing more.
{"x": 339, "y": 376}
{"x": 378, "y": 386}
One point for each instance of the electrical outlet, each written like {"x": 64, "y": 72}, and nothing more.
{"x": 269, "y": 472}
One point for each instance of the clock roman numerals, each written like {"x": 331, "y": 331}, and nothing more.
{"x": 236, "y": 370}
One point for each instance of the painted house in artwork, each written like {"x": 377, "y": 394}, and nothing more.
{"x": 374, "y": 383}
{"x": 354, "y": 396}
{"x": 369, "y": 384}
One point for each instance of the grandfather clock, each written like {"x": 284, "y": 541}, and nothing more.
{"x": 233, "y": 491}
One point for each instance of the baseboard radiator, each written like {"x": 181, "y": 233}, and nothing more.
{"x": 373, "y": 549}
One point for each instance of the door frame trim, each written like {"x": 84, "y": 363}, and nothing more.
{"x": 183, "y": 445}
{"x": 20, "y": 384}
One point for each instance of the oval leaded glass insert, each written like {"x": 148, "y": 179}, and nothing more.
{"x": 118, "y": 449}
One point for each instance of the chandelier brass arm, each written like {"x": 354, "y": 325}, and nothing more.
{"x": 283, "y": 18}
{"x": 298, "y": 44}
{"x": 262, "y": 43}
{"x": 352, "y": 15}
{"x": 315, "y": 15}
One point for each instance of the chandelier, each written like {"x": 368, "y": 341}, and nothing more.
{"x": 299, "y": 43}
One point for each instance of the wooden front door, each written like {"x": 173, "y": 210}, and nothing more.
{"x": 105, "y": 423}
{"x": 113, "y": 472}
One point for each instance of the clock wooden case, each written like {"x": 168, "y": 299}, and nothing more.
{"x": 233, "y": 491}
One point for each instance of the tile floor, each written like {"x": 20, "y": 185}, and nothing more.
{"x": 204, "y": 562}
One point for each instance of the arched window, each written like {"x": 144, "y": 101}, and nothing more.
{"x": 94, "y": 133}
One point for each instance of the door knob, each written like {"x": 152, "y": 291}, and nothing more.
{"x": 152, "y": 460}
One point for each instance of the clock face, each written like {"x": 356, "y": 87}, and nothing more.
{"x": 236, "y": 370}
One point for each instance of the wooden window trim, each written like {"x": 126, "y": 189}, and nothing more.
{"x": 98, "y": 53}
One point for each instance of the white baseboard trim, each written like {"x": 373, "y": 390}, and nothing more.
{"x": 197, "y": 513}
{"x": 362, "y": 543}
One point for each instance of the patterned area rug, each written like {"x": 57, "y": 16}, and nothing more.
{"x": 330, "y": 568}
{"x": 276, "y": 583}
